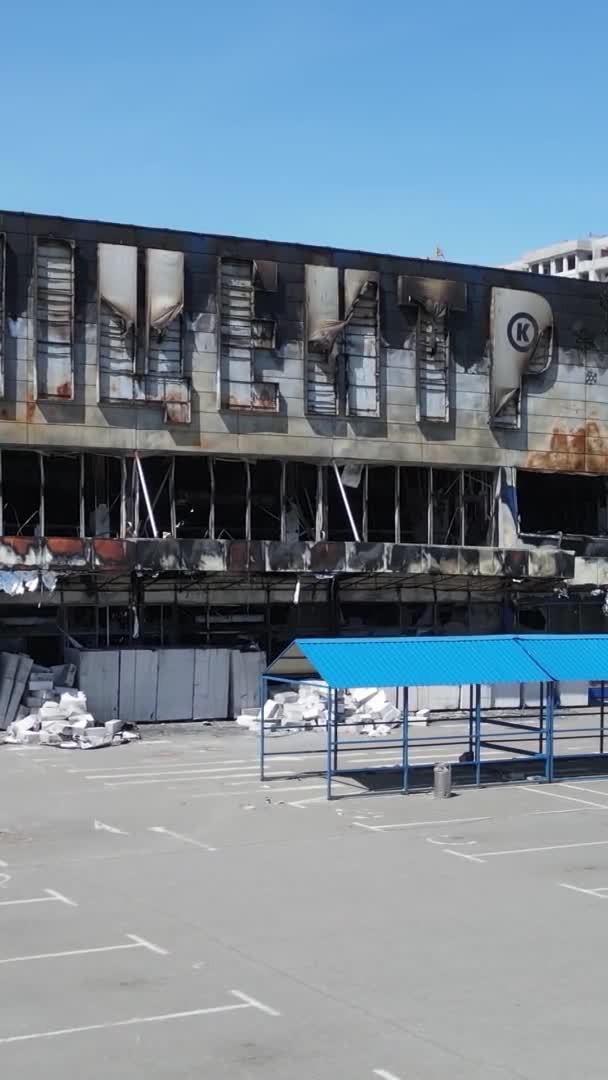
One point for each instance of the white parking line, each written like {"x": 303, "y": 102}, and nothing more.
{"x": 160, "y": 765}
{"x": 462, "y": 855}
{"x": 246, "y": 1002}
{"x": 384, "y": 1075}
{"x": 601, "y": 894}
{"x": 483, "y": 855}
{"x": 301, "y": 804}
{"x": 185, "y": 770}
{"x": 569, "y": 798}
{"x": 135, "y": 943}
{"x": 413, "y": 824}
{"x": 100, "y": 826}
{"x": 581, "y": 787}
{"x": 52, "y": 894}
{"x": 254, "y": 1003}
{"x": 179, "y": 836}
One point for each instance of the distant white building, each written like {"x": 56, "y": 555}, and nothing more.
{"x": 585, "y": 259}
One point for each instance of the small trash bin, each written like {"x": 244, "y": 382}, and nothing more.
{"x": 442, "y": 781}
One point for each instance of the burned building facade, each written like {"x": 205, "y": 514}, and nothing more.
{"x": 217, "y": 441}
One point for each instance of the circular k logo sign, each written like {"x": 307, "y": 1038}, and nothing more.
{"x": 522, "y": 331}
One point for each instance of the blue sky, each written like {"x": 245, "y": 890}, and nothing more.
{"x": 472, "y": 124}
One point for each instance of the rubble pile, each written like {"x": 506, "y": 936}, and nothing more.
{"x": 367, "y": 710}
{"x": 54, "y": 713}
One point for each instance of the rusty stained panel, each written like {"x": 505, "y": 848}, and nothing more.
{"x": 582, "y": 450}
{"x": 174, "y": 393}
{"x": 112, "y": 554}
{"x": 54, "y": 318}
{"x": 240, "y": 556}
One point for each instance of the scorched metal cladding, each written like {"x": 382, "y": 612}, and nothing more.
{"x": 141, "y": 358}
{"x": 522, "y": 340}
{"x": 116, "y": 337}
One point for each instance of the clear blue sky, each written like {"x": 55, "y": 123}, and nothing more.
{"x": 476, "y": 125}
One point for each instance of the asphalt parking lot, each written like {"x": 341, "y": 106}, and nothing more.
{"x": 163, "y": 914}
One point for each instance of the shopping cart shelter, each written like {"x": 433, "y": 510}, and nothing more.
{"x": 484, "y": 742}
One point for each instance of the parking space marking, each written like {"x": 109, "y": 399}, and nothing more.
{"x": 166, "y": 774}
{"x": 135, "y": 943}
{"x": 483, "y": 855}
{"x": 253, "y": 1003}
{"x": 52, "y": 894}
{"x": 602, "y": 893}
{"x": 301, "y": 804}
{"x": 101, "y": 826}
{"x": 463, "y": 855}
{"x": 245, "y": 1002}
{"x": 580, "y": 787}
{"x": 117, "y": 769}
{"x": 180, "y": 836}
{"x": 252, "y": 774}
{"x": 413, "y": 824}
{"x": 569, "y": 798}
{"x": 384, "y": 1075}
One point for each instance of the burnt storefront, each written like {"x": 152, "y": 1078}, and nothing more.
{"x": 218, "y": 442}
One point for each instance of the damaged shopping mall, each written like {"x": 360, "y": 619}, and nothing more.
{"x": 211, "y": 445}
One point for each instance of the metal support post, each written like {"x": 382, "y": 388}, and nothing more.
{"x": 330, "y": 708}
{"x": 478, "y": 734}
{"x": 549, "y": 739}
{"x": 602, "y": 717}
{"x": 471, "y": 721}
{"x": 262, "y": 695}
{"x": 336, "y": 732}
{"x": 541, "y": 717}
{"x": 405, "y": 740}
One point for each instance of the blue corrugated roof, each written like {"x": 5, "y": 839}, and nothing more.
{"x": 395, "y": 661}
{"x": 569, "y": 656}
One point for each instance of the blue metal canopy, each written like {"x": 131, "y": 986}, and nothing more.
{"x": 406, "y": 661}
{"x": 569, "y": 656}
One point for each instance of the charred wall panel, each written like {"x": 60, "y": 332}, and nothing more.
{"x": 325, "y": 377}
{"x": 54, "y": 317}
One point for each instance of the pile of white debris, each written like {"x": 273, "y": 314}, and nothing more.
{"x": 367, "y": 710}
{"x": 54, "y": 713}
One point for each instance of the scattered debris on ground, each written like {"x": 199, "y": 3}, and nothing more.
{"x": 49, "y": 711}
{"x": 364, "y": 711}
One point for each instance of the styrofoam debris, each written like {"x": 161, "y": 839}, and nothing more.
{"x": 74, "y": 702}
{"x": 57, "y": 715}
{"x": 49, "y": 738}
{"x": 272, "y": 709}
{"x": 81, "y": 721}
{"x": 52, "y": 710}
{"x": 361, "y": 694}
{"x": 114, "y": 726}
{"x": 286, "y": 697}
{"x": 293, "y": 714}
{"x": 94, "y": 737}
